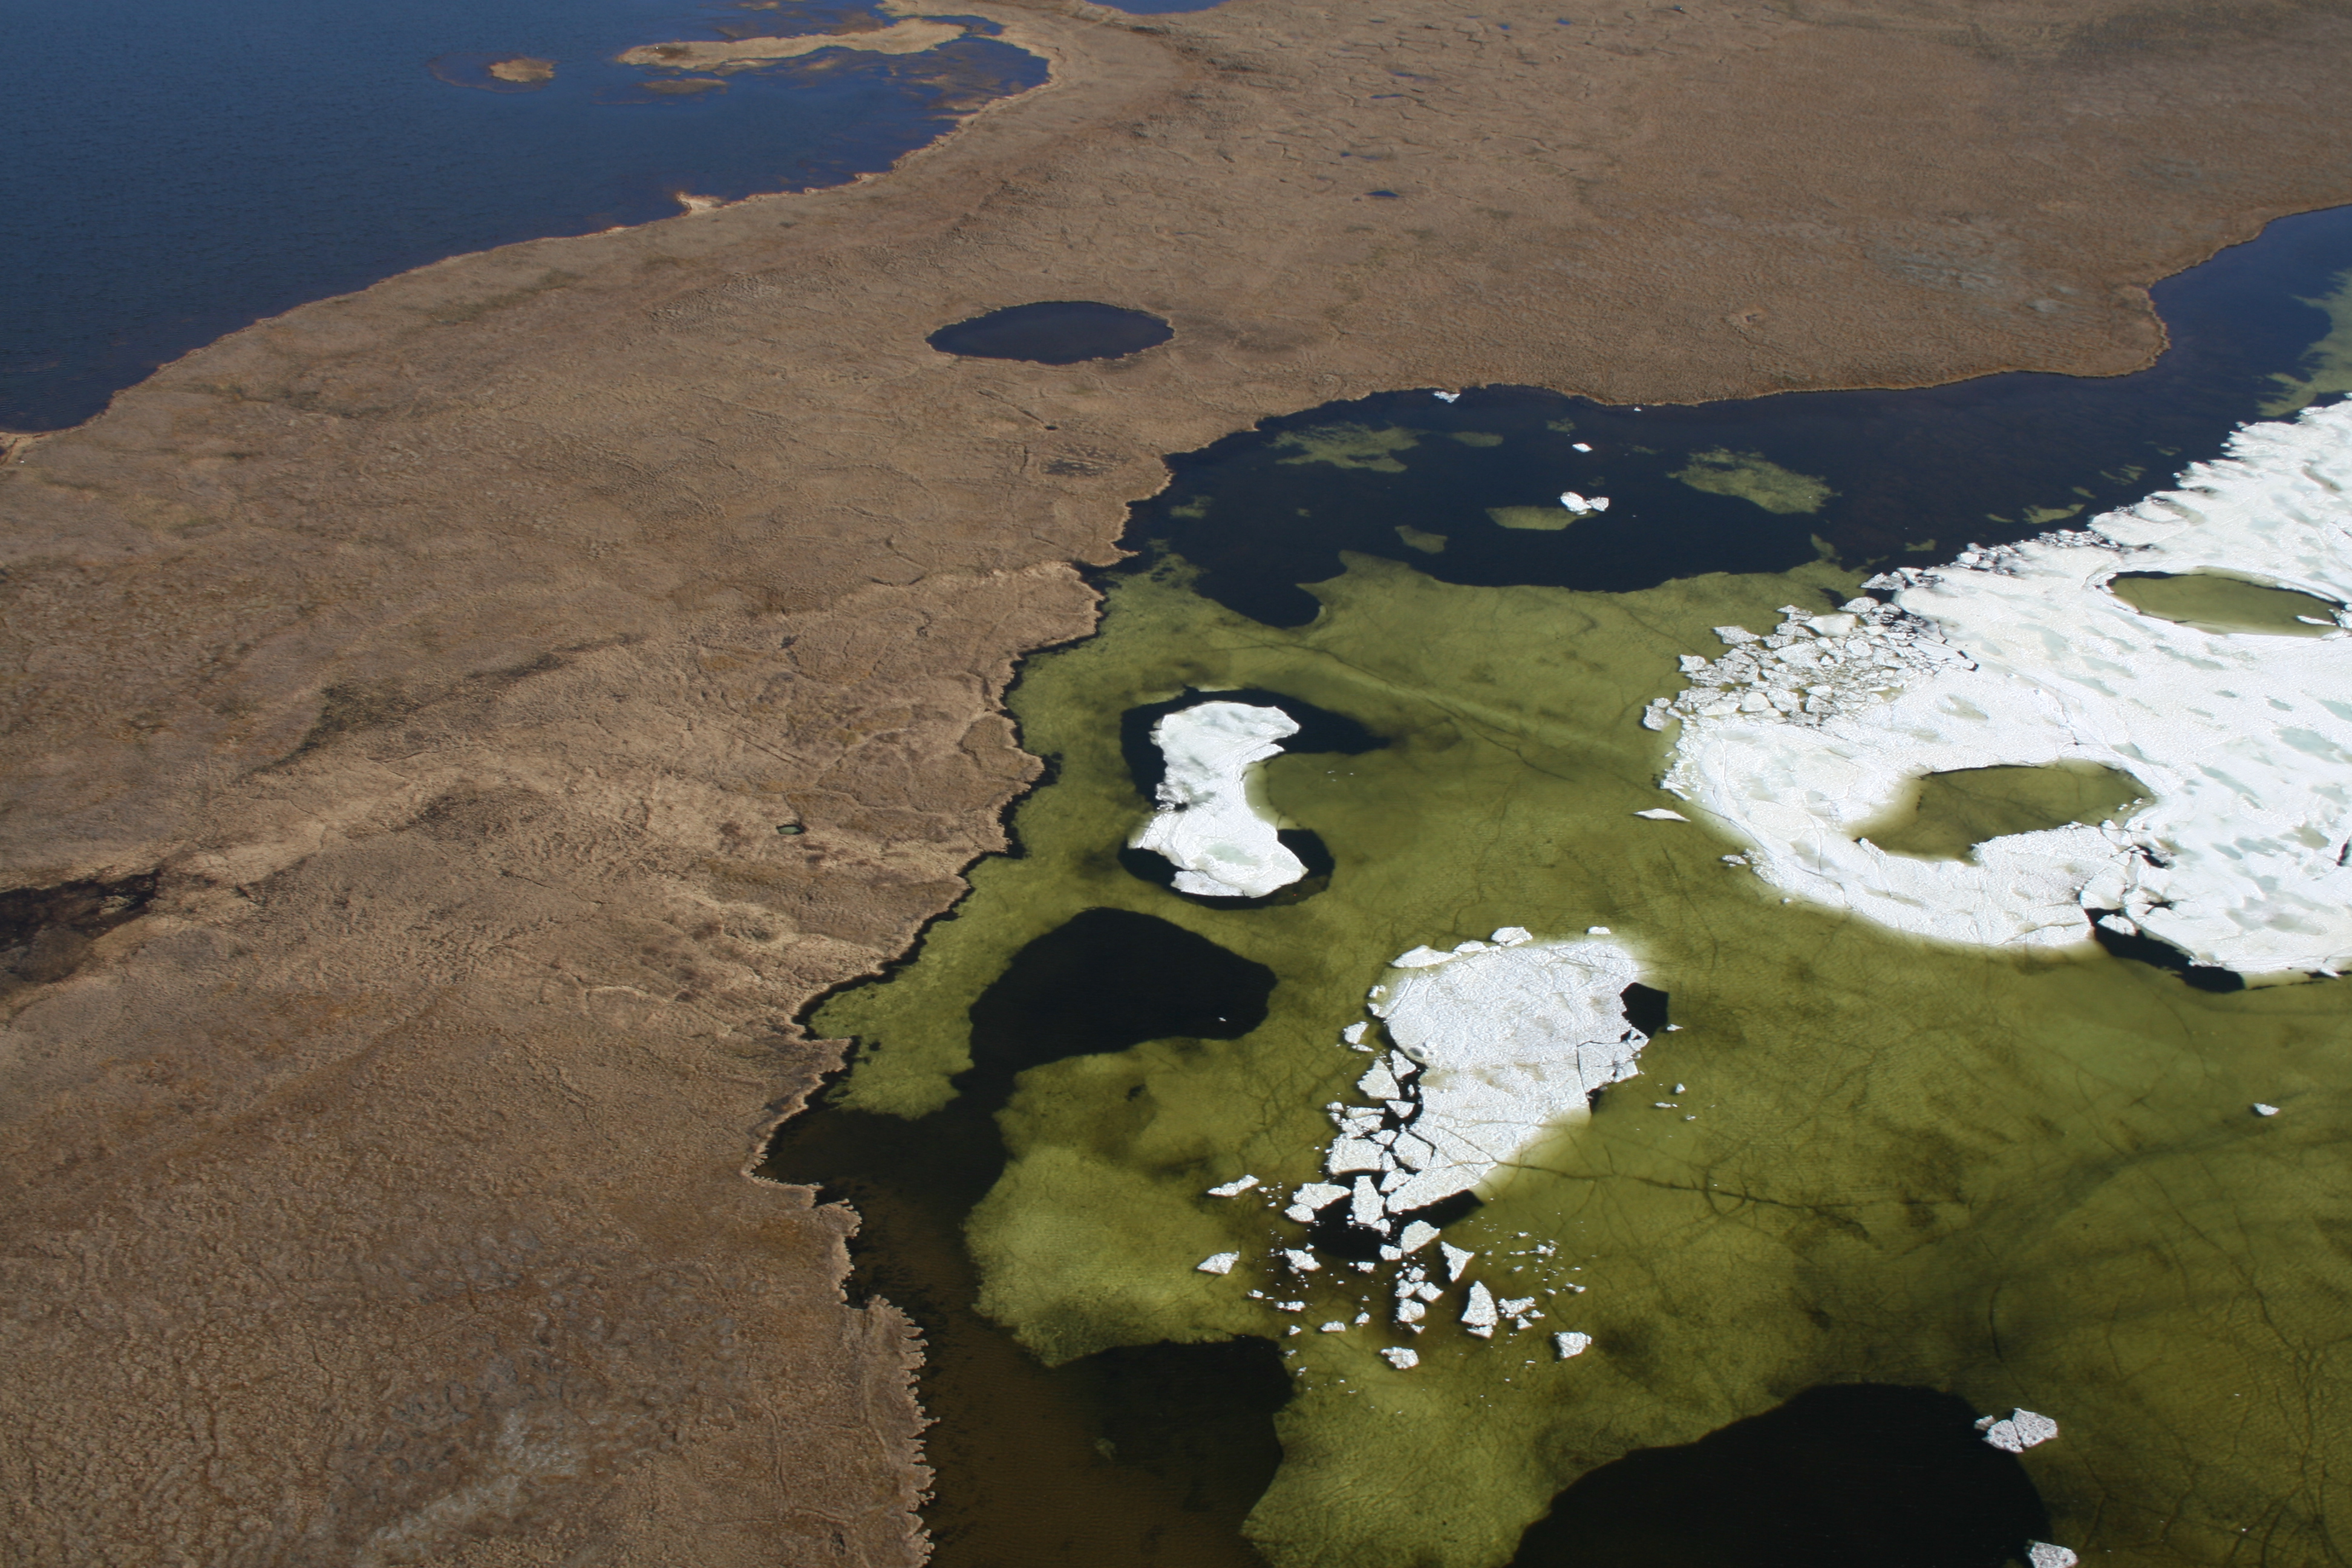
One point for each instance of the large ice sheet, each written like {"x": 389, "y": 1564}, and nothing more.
{"x": 2021, "y": 655}
{"x": 1222, "y": 844}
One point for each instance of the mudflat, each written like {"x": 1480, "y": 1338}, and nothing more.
{"x": 412, "y": 700}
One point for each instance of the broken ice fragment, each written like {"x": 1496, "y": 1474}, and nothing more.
{"x": 1511, "y": 936}
{"x": 2262, "y": 1110}
{"x": 1447, "y": 396}
{"x": 1398, "y": 1357}
{"x": 1233, "y": 1188}
{"x": 1218, "y": 1263}
{"x": 1456, "y": 1259}
{"x": 1582, "y": 504}
{"x": 1335, "y": 1326}
{"x": 1569, "y": 1345}
{"x": 1303, "y": 1262}
{"x": 1580, "y": 446}
{"x": 1417, "y": 1235}
{"x": 1310, "y": 1197}
{"x": 2016, "y": 1431}
{"x": 1410, "y": 1310}
{"x": 1663, "y": 814}
{"x": 2044, "y": 1554}
{"x": 1478, "y": 1314}
{"x": 1354, "y": 1033}
{"x": 1517, "y": 1306}
{"x": 1367, "y": 1209}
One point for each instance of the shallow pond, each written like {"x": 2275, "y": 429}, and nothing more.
{"x": 2057, "y": 1178}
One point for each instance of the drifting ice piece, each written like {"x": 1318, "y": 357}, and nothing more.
{"x": 1218, "y": 1263}
{"x": 1571, "y": 1345}
{"x": 1478, "y": 1315}
{"x": 2016, "y": 1431}
{"x": 1233, "y": 1188}
{"x": 2044, "y": 1554}
{"x": 1220, "y": 842}
{"x": 1401, "y": 1359}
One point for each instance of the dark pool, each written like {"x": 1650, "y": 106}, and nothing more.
{"x": 1053, "y": 332}
{"x": 176, "y": 172}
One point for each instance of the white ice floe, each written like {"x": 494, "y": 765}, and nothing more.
{"x": 2044, "y": 1554}
{"x": 1416, "y": 1235}
{"x": 1582, "y": 504}
{"x": 1457, "y": 1259}
{"x": 1222, "y": 840}
{"x": 2024, "y": 656}
{"x": 1312, "y": 1196}
{"x": 1663, "y": 814}
{"x": 1500, "y": 1041}
{"x": 1218, "y": 1263}
{"x": 2016, "y": 1431}
{"x": 1580, "y": 446}
{"x": 1300, "y": 1262}
{"x": 1447, "y": 396}
{"x": 1401, "y": 1358}
{"x": 1568, "y": 1346}
{"x": 1335, "y": 1326}
{"x": 1478, "y": 1312}
{"x": 2262, "y": 1110}
{"x": 1233, "y": 1188}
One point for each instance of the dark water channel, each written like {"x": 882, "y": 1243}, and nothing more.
{"x": 177, "y": 170}
{"x": 1913, "y": 476}
{"x": 1156, "y": 1455}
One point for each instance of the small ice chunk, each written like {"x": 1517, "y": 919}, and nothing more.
{"x": 1596, "y": 930}
{"x": 1378, "y": 1082}
{"x": 1478, "y": 1314}
{"x": 1352, "y": 1155}
{"x": 1580, "y": 446}
{"x": 2016, "y": 1431}
{"x": 1417, "y": 1235}
{"x": 2045, "y": 1554}
{"x": 1456, "y": 1259}
{"x": 1401, "y": 1358}
{"x": 1368, "y": 1209}
{"x": 1663, "y": 814}
{"x": 1583, "y": 504}
{"x": 1354, "y": 1033}
{"x": 1410, "y": 1310}
{"x": 1427, "y": 1292}
{"x": 1569, "y": 1345}
{"x": 1447, "y": 396}
{"x": 1304, "y": 1262}
{"x": 2262, "y": 1110}
{"x": 1419, "y": 958}
{"x": 1218, "y": 1263}
{"x": 1312, "y": 1196}
{"x": 1517, "y": 1306}
{"x": 1233, "y": 1188}
{"x": 1511, "y": 936}
{"x": 1335, "y": 1326}
{"x": 1288, "y": 1306}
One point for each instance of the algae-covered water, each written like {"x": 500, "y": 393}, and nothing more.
{"x": 2026, "y": 1180}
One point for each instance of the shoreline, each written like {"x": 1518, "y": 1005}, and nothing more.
{"x": 517, "y": 600}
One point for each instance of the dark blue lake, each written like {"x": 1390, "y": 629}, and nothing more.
{"x": 177, "y": 170}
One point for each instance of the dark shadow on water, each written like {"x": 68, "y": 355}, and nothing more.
{"x": 1148, "y": 1454}
{"x": 1053, "y": 332}
{"x": 1912, "y": 476}
{"x": 2139, "y": 948}
{"x": 1849, "y": 1476}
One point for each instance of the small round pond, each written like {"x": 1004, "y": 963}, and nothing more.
{"x": 1053, "y": 332}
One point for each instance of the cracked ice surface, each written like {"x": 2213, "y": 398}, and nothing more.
{"x": 2020, "y": 656}
{"x": 1509, "y": 1041}
{"x": 1220, "y": 842}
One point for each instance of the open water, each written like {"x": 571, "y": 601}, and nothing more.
{"x": 176, "y": 171}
